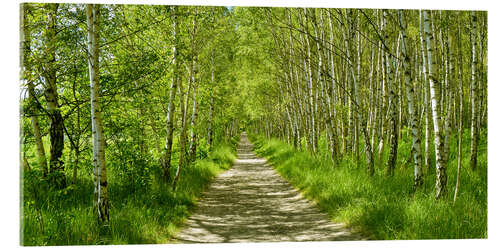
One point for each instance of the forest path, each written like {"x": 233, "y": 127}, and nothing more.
{"x": 252, "y": 203}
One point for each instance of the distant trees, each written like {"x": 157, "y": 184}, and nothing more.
{"x": 372, "y": 75}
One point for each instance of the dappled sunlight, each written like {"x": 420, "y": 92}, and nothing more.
{"x": 250, "y": 161}
{"x": 252, "y": 203}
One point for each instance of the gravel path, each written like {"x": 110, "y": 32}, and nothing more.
{"x": 252, "y": 203}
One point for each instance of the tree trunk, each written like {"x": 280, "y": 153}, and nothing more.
{"x": 441, "y": 177}
{"x": 166, "y": 163}
{"x": 410, "y": 93}
{"x": 182, "y": 137}
{"x": 77, "y": 139}
{"x": 312, "y": 126}
{"x": 26, "y": 76}
{"x": 101, "y": 199}
{"x": 194, "y": 117}
{"x": 428, "y": 112}
{"x": 475, "y": 102}
{"x": 183, "y": 140}
{"x": 393, "y": 122}
{"x": 211, "y": 109}
{"x": 460, "y": 115}
{"x": 56, "y": 130}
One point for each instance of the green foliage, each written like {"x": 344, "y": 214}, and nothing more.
{"x": 384, "y": 207}
{"x": 239, "y": 75}
{"x": 135, "y": 73}
{"x": 144, "y": 210}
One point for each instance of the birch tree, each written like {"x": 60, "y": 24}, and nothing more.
{"x": 460, "y": 112}
{"x": 27, "y": 77}
{"x": 441, "y": 177}
{"x": 418, "y": 181}
{"x": 101, "y": 199}
{"x": 166, "y": 161}
{"x": 474, "y": 93}
{"x": 210, "y": 132}
{"x": 426, "y": 106}
{"x": 49, "y": 73}
{"x": 393, "y": 116}
{"x": 194, "y": 117}
{"x": 195, "y": 67}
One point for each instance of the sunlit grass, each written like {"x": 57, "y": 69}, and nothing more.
{"x": 142, "y": 212}
{"x": 384, "y": 207}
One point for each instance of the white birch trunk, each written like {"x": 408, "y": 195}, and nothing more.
{"x": 171, "y": 105}
{"x": 26, "y": 77}
{"x": 475, "y": 102}
{"x": 194, "y": 117}
{"x": 56, "y": 131}
{"x": 101, "y": 199}
{"x": 410, "y": 93}
{"x": 311, "y": 92}
{"x": 211, "y": 109}
{"x": 441, "y": 177}
{"x": 460, "y": 115}
{"x": 428, "y": 113}
{"x": 392, "y": 107}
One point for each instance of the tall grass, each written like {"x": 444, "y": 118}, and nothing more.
{"x": 384, "y": 207}
{"x": 142, "y": 212}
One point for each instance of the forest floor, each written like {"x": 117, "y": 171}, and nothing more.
{"x": 252, "y": 203}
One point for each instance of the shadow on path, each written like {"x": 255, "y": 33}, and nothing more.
{"x": 252, "y": 203}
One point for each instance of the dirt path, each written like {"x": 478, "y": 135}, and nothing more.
{"x": 252, "y": 203}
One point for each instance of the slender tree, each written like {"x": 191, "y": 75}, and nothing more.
{"x": 441, "y": 177}
{"x": 210, "y": 132}
{"x": 474, "y": 90}
{"x": 460, "y": 114}
{"x": 393, "y": 117}
{"x": 418, "y": 181}
{"x": 101, "y": 199}
{"x": 27, "y": 77}
{"x": 166, "y": 162}
{"x": 49, "y": 72}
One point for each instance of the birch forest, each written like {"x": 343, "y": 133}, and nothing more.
{"x": 128, "y": 113}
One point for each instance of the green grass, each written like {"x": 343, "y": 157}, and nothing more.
{"x": 384, "y": 207}
{"x": 142, "y": 212}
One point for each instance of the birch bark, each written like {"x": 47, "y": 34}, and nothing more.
{"x": 211, "y": 108}
{"x": 56, "y": 130}
{"x": 166, "y": 162}
{"x": 26, "y": 76}
{"x": 441, "y": 177}
{"x": 475, "y": 102}
{"x": 410, "y": 93}
{"x": 101, "y": 199}
{"x": 460, "y": 112}
{"x": 427, "y": 111}
{"x": 393, "y": 117}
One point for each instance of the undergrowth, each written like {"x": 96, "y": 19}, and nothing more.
{"x": 384, "y": 207}
{"x": 144, "y": 210}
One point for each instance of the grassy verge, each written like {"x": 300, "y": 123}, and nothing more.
{"x": 142, "y": 212}
{"x": 383, "y": 207}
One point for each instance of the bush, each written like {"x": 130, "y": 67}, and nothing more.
{"x": 143, "y": 209}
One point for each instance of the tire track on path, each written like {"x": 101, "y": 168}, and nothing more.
{"x": 252, "y": 203}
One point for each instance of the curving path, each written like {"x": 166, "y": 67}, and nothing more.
{"x": 252, "y": 203}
